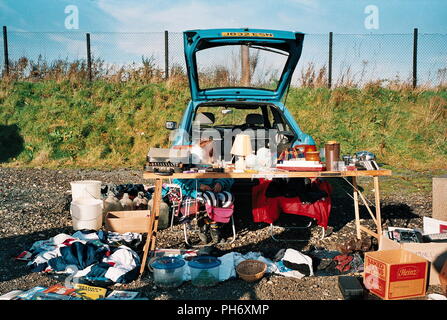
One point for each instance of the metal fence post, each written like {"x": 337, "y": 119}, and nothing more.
{"x": 415, "y": 57}
{"x": 89, "y": 58}
{"x": 329, "y": 84}
{"x": 166, "y": 54}
{"x": 5, "y": 49}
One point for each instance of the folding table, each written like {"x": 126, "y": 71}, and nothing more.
{"x": 374, "y": 174}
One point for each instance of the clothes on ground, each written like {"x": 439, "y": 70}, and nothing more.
{"x": 330, "y": 263}
{"x": 130, "y": 239}
{"x": 286, "y": 262}
{"x": 88, "y": 254}
{"x": 298, "y": 261}
{"x": 230, "y": 261}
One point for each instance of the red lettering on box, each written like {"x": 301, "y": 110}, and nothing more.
{"x": 376, "y": 267}
{"x": 411, "y": 271}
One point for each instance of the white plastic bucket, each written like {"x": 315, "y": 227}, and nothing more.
{"x": 86, "y": 213}
{"x": 94, "y": 224}
{"x": 85, "y": 189}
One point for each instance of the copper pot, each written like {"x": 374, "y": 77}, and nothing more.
{"x": 312, "y": 156}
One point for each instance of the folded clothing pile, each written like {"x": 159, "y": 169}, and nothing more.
{"x": 336, "y": 263}
{"x": 87, "y": 254}
{"x": 293, "y": 263}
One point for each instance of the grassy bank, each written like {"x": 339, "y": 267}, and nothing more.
{"x": 112, "y": 124}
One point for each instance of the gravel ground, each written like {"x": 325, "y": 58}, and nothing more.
{"x": 34, "y": 205}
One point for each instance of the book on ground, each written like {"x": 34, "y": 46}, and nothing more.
{"x": 87, "y": 292}
{"x": 122, "y": 295}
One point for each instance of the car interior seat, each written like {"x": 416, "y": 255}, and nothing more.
{"x": 254, "y": 120}
{"x": 254, "y": 126}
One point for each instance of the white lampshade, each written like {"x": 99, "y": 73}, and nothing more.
{"x": 242, "y": 145}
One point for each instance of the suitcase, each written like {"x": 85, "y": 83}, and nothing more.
{"x": 351, "y": 288}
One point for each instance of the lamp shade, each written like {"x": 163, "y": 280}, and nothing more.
{"x": 241, "y": 145}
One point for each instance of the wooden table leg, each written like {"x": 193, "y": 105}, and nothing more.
{"x": 153, "y": 224}
{"x": 378, "y": 213}
{"x": 356, "y": 207}
{"x": 157, "y": 200}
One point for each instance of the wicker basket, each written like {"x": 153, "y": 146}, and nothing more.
{"x": 251, "y": 270}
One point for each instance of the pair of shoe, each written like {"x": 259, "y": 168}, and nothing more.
{"x": 207, "y": 231}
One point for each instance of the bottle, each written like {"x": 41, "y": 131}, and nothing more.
{"x": 111, "y": 203}
{"x": 163, "y": 217}
{"x": 126, "y": 202}
{"x": 140, "y": 202}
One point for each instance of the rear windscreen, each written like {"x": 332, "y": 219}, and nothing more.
{"x": 240, "y": 66}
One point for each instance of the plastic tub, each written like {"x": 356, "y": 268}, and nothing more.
{"x": 204, "y": 271}
{"x": 93, "y": 224}
{"x": 86, "y": 208}
{"x": 85, "y": 189}
{"x": 168, "y": 271}
{"x": 86, "y": 213}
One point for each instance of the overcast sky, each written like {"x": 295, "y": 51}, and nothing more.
{"x": 310, "y": 16}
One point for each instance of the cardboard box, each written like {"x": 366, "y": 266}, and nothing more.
{"x": 439, "y": 185}
{"x": 434, "y": 252}
{"x": 395, "y": 274}
{"x": 434, "y": 225}
{"x": 128, "y": 221}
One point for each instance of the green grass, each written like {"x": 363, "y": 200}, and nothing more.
{"x": 113, "y": 124}
{"x": 405, "y": 129}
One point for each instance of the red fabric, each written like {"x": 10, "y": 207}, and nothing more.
{"x": 268, "y": 209}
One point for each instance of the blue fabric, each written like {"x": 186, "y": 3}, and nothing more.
{"x": 38, "y": 267}
{"x": 129, "y": 276}
{"x": 189, "y": 189}
{"x": 78, "y": 254}
{"x": 98, "y": 270}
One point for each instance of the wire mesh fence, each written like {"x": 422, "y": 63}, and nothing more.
{"x": 355, "y": 59}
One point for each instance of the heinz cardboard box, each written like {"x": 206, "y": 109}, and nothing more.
{"x": 395, "y": 274}
{"x": 434, "y": 252}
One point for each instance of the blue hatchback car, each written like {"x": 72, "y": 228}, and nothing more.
{"x": 226, "y": 99}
